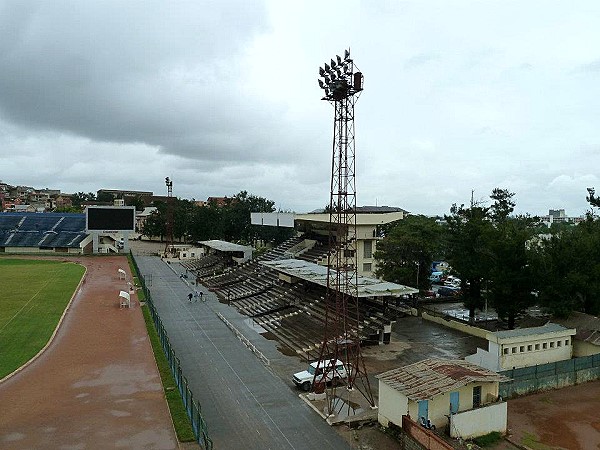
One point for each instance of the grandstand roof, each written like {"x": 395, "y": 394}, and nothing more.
{"x": 225, "y": 246}
{"x": 42, "y": 229}
{"x": 379, "y": 218}
{"x": 367, "y": 287}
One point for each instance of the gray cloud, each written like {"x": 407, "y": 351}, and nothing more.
{"x": 151, "y": 72}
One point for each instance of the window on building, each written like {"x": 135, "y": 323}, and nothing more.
{"x": 559, "y": 343}
{"x": 537, "y": 346}
{"x": 367, "y": 267}
{"x": 514, "y": 350}
{"x": 551, "y": 344}
{"x": 368, "y": 249}
{"x": 476, "y": 396}
{"x": 529, "y": 348}
{"x": 566, "y": 342}
{"x": 506, "y": 351}
{"x": 522, "y": 348}
{"x": 545, "y": 345}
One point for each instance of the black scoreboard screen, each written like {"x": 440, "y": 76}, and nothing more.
{"x": 106, "y": 218}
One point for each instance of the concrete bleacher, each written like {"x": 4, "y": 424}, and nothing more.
{"x": 295, "y": 313}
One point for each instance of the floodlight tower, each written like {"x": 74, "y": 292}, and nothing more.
{"x": 169, "y": 222}
{"x": 342, "y": 84}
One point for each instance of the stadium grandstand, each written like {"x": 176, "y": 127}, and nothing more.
{"x": 22, "y": 232}
{"x": 283, "y": 290}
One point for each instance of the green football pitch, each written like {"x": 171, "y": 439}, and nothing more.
{"x": 33, "y": 296}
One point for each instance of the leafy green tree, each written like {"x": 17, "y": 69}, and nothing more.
{"x": 511, "y": 280}
{"x": 566, "y": 268}
{"x": 155, "y": 223}
{"x": 106, "y": 197}
{"x": 468, "y": 251}
{"x": 236, "y": 216}
{"x": 406, "y": 253}
{"x": 80, "y": 197}
{"x": 136, "y": 201}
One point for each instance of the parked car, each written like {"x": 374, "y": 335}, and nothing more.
{"x": 436, "y": 277}
{"x": 451, "y": 280}
{"x": 449, "y": 291}
{"x": 305, "y": 378}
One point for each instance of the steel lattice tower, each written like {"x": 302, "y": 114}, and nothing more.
{"x": 169, "y": 221}
{"x": 342, "y": 84}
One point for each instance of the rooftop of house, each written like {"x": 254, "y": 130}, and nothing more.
{"x": 532, "y": 331}
{"x": 432, "y": 377}
{"x": 587, "y": 326}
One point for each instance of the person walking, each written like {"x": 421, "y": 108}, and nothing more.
{"x": 201, "y": 295}
{"x": 190, "y": 295}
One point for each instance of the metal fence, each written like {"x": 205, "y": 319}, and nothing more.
{"x": 192, "y": 407}
{"x": 550, "y": 376}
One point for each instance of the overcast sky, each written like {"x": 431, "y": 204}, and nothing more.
{"x": 222, "y": 96}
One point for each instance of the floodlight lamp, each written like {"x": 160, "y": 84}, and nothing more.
{"x": 321, "y": 71}
{"x": 327, "y": 80}
{"x": 339, "y": 72}
{"x": 333, "y": 63}
{"x": 321, "y": 84}
{"x": 327, "y": 68}
{"x": 333, "y": 75}
{"x": 346, "y": 54}
{"x": 339, "y": 60}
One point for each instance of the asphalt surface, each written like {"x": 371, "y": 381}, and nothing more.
{"x": 245, "y": 404}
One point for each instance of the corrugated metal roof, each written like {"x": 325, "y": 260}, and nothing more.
{"x": 225, "y": 246}
{"x": 587, "y": 326}
{"x": 548, "y": 328}
{"x": 431, "y": 377}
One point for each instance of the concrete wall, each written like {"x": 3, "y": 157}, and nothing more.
{"x": 480, "y": 421}
{"x": 550, "y": 376}
{"x": 465, "y": 328}
{"x": 527, "y": 351}
{"x": 485, "y": 359}
{"x": 392, "y": 405}
{"x": 582, "y": 348}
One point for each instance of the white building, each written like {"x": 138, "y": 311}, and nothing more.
{"x": 367, "y": 232}
{"x": 452, "y": 393}
{"x": 525, "y": 347}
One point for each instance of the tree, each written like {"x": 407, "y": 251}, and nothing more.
{"x": 406, "y": 253}
{"x": 591, "y": 197}
{"x": 136, "y": 201}
{"x": 236, "y": 216}
{"x": 106, "y": 197}
{"x": 80, "y": 197}
{"x": 468, "y": 251}
{"x": 155, "y": 223}
{"x": 566, "y": 268}
{"x": 511, "y": 280}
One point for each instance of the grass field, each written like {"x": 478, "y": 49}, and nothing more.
{"x": 33, "y": 296}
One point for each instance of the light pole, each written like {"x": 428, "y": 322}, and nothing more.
{"x": 342, "y": 84}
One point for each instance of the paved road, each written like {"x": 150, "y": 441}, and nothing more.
{"x": 244, "y": 403}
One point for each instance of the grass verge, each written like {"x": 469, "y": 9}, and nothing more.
{"x": 182, "y": 425}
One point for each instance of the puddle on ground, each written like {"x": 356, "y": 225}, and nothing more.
{"x": 343, "y": 408}
{"x": 254, "y": 326}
